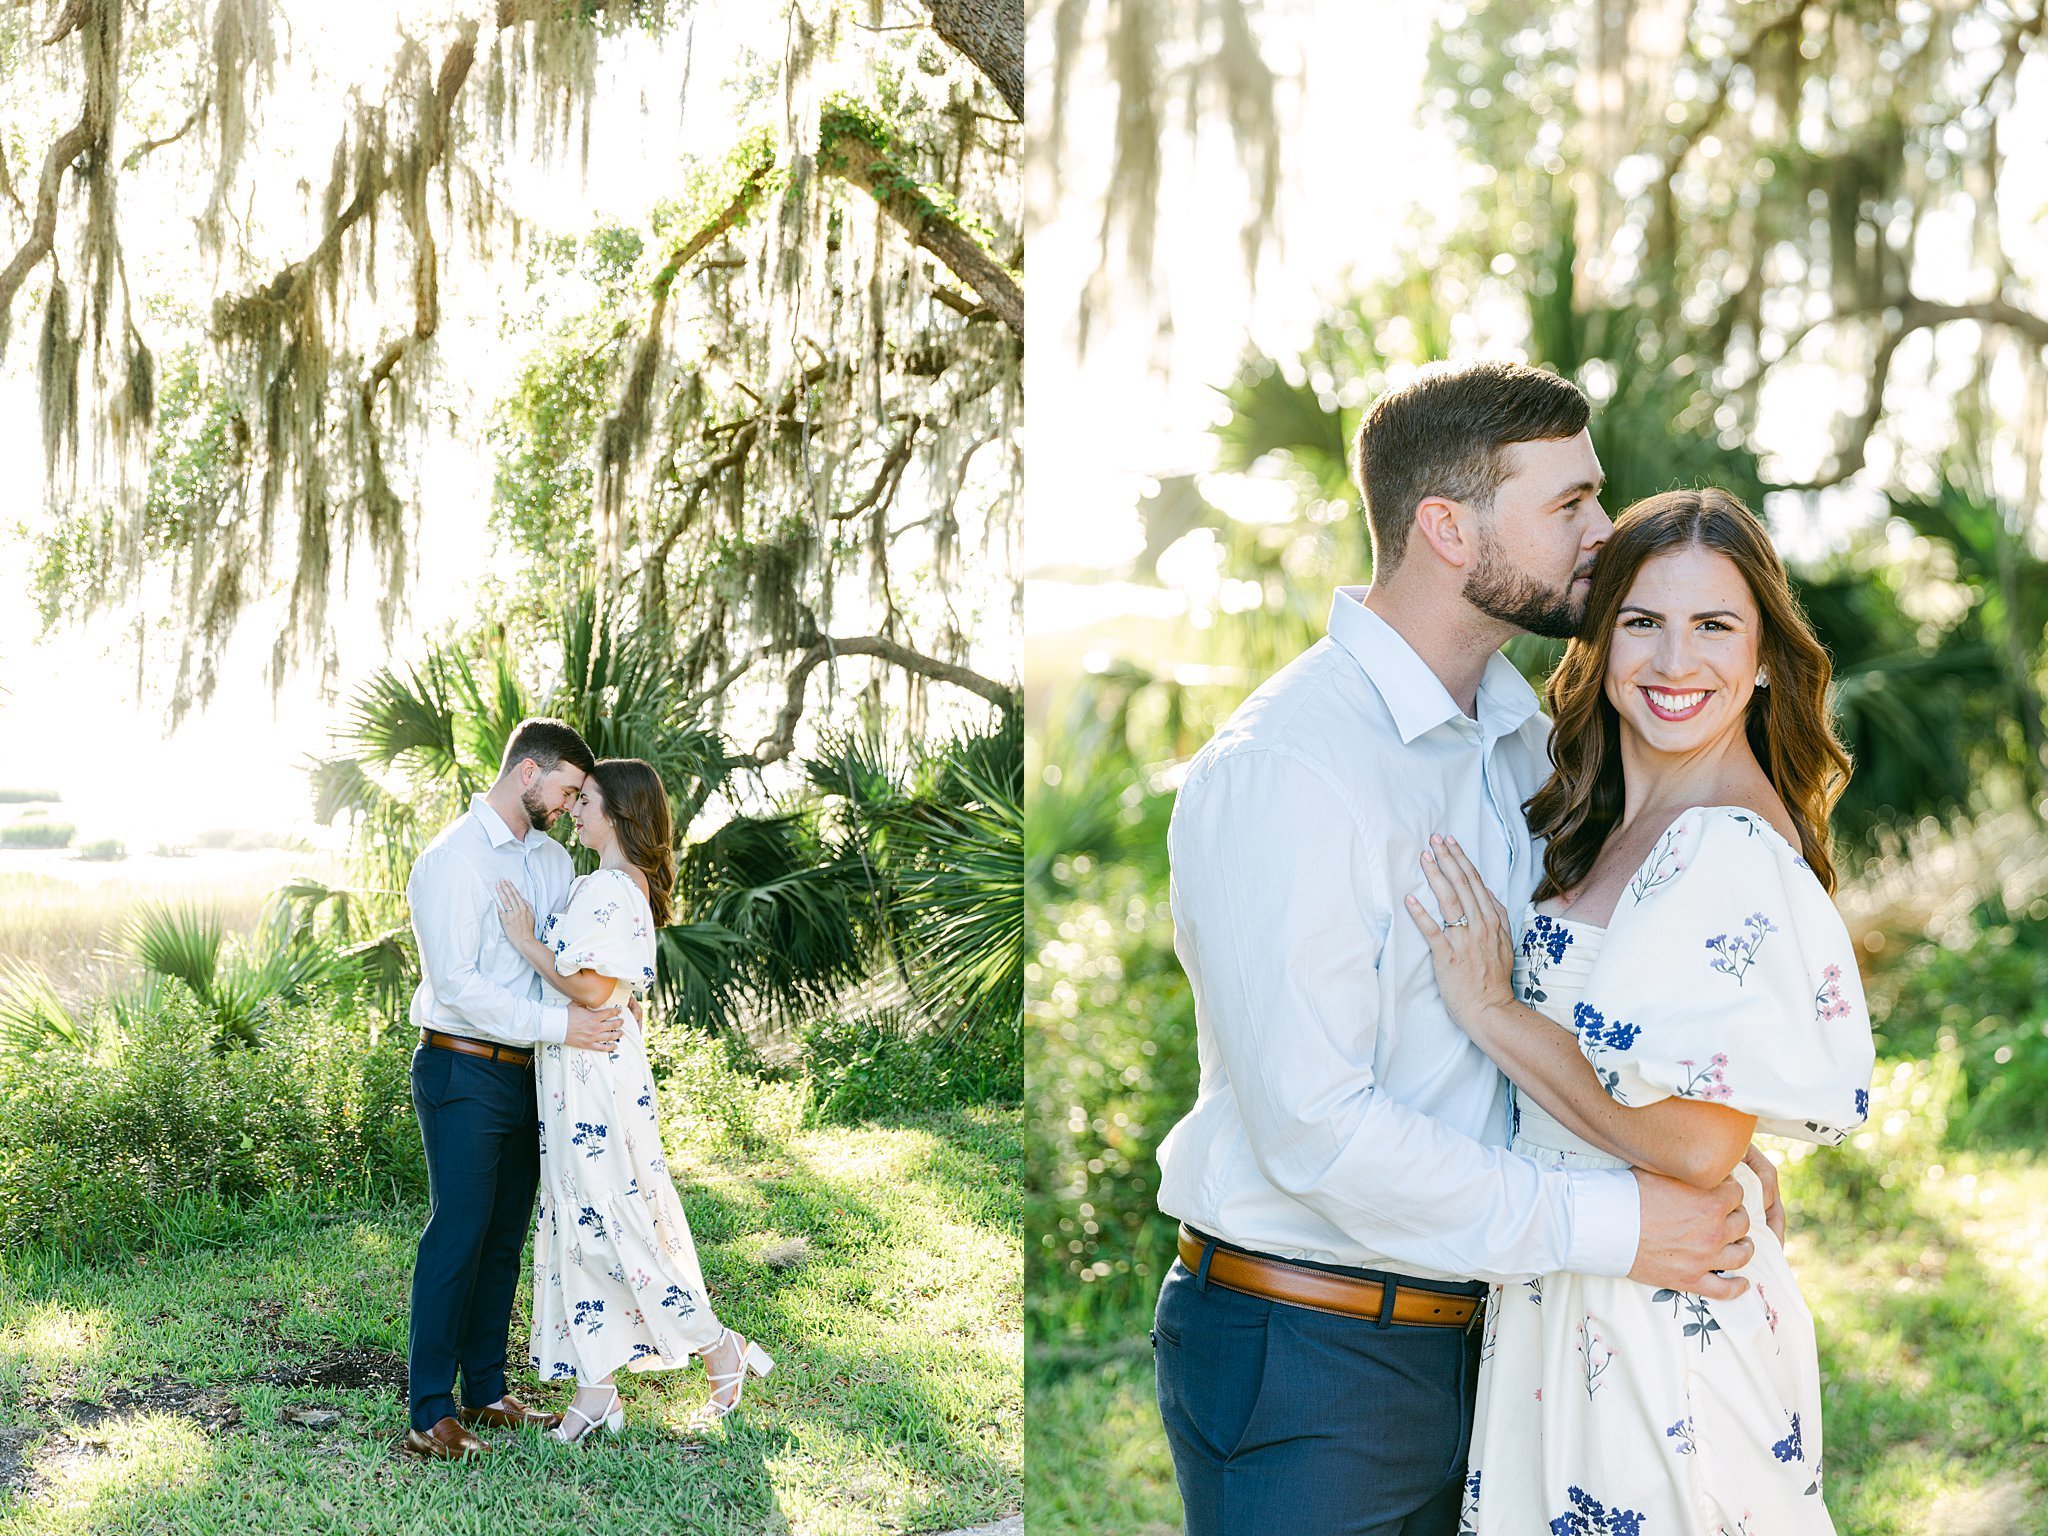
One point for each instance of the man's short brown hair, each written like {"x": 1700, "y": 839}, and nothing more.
{"x": 550, "y": 743}
{"x": 1441, "y": 434}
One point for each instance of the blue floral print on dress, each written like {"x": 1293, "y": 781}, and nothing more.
{"x": 1544, "y": 943}
{"x": 590, "y": 1138}
{"x": 590, "y": 1316}
{"x": 1681, "y": 1432}
{"x": 1597, "y": 1035}
{"x": 1790, "y": 1448}
{"x": 1589, "y": 1517}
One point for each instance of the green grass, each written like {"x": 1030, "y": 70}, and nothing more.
{"x": 878, "y": 1264}
{"x": 1935, "y": 1382}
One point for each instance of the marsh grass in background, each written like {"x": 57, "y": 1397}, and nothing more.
{"x": 71, "y": 932}
{"x": 878, "y": 1263}
{"x": 32, "y": 831}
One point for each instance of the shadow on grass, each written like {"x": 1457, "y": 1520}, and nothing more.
{"x": 283, "y": 1481}
{"x": 901, "y": 1419}
{"x": 1935, "y": 1377}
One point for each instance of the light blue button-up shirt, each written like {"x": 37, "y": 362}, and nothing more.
{"x": 1342, "y": 1117}
{"x": 472, "y": 981}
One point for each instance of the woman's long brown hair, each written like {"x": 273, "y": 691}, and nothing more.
{"x": 1789, "y": 727}
{"x": 637, "y": 806}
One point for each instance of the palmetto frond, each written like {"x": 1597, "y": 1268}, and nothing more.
{"x": 32, "y": 1014}
{"x": 180, "y": 942}
{"x": 410, "y": 718}
{"x": 760, "y": 879}
{"x": 963, "y": 905}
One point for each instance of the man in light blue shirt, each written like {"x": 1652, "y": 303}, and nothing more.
{"x": 480, "y": 1016}
{"x": 1343, "y": 1180}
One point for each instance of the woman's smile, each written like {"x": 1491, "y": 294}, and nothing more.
{"x": 1668, "y": 704}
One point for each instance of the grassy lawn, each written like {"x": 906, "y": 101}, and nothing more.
{"x": 878, "y": 1264}
{"x": 1931, "y": 1325}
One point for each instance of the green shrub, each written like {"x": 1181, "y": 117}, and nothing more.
{"x": 703, "y": 1091}
{"x": 29, "y": 797}
{"x": 107, "y": 850}
{"x": 878, "y": 1066}
{"x": 100, "y": 1146}
{"x": 36, "y": 833}
{"x": 1984, "y": 995}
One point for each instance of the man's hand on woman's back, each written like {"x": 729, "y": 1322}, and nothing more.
{"x": 594, "y": 1029}
{"x": 1690, "y": 1237}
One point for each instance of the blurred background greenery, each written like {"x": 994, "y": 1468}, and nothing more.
{"x": 1791, "y": 250}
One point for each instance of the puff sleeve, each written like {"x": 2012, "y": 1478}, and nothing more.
{"x": 1727, "y": 975}
{"x": 605, "y": 928}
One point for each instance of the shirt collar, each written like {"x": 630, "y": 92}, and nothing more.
{"x": 494, "y": 824}
{"x": 1414, "y": 695}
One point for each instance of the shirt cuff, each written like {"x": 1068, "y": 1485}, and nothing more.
{"x": 1607, "y": 1222}
{"x": 554, "y": 1029}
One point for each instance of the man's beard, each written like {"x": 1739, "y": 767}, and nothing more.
{"x": 537, "y": 814}
{"x": 1501, "y": 592}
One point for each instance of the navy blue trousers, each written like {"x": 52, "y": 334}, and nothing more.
{"x": 481, "y": 1128}
{"x": 1285, "y": 1419}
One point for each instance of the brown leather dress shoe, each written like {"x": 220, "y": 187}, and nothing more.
{"x": 446, "y": 1441}
{"x": 509, "y": 1414}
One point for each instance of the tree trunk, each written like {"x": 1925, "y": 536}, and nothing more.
{"x": 991, "y": 34}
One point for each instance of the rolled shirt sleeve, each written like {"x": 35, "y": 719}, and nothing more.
{"x": 1273, "y": 925}
{"x": 450, "y": 907}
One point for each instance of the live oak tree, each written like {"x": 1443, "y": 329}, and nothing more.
{"x": 808, "y": 363}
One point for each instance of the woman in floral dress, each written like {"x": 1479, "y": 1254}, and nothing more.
{"x": 615, "y": 1275}
{"x": 1682, "y": 980}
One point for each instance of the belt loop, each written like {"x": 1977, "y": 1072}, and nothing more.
{"x": 1202, "y": 1269}
{"x": 1386, "y": 1317}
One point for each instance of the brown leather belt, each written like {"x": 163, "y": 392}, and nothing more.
{"x": 1320, "y": 1291}
{"x": 511, "y": 1055}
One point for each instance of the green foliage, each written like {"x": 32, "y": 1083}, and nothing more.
{"x": 99, "y": 1140}
{"x": 938, "y": 835}
{"x": 32, "y": 1013}
{"x": 29, "y": 797}
{"x": 541, "y": 434}
{"x": 1978, "y": 1005}
{"x": 242, "y": 987}
{"x": 884, "y": 1066}
{"x": 105, "y": 850}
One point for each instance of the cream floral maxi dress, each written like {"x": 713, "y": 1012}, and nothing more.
{"x": 615, "y": 1274}
{"x": 1607, "y": 1408}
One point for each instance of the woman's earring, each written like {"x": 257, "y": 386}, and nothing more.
{"x": 1763, "y": 678}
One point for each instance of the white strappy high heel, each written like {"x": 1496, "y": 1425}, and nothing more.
{"x": 612, "y": 1421}
{"x": 754, "y": 1361}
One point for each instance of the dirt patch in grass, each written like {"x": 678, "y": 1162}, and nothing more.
{"x": 353, "y": 1370}
{"x": 30, "y": 1458}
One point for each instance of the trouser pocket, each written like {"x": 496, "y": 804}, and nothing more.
{"x": 1210, "y": 1352}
